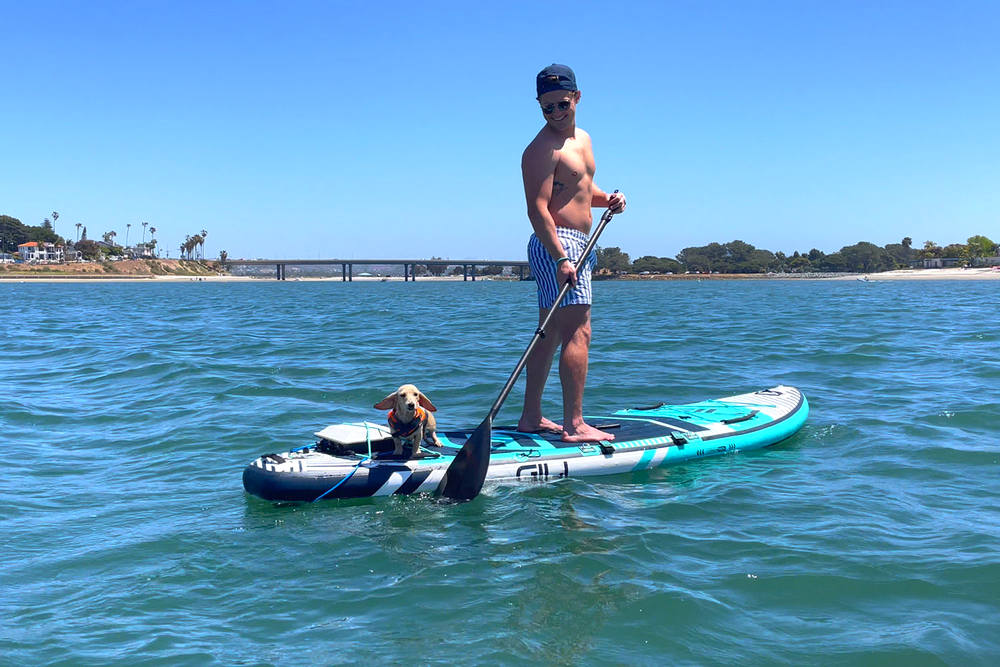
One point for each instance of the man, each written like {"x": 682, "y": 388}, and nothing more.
{"x": 558, "y": 172}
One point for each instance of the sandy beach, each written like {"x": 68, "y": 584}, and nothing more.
{"x": 927, "y": 274}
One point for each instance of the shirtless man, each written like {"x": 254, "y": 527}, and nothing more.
{"x": 558, "y": 172}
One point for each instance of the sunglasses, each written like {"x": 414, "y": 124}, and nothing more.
{"x": 563, "y": 106}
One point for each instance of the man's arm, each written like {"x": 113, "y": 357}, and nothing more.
{"x": 598, "y": 197}
{"x": 601, "y": 199}
{"x": 538, "y": 169}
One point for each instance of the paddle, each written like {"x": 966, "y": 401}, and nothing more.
{"x": 465, "y": 476}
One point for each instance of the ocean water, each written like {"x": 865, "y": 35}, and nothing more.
{"x": 128, "y": 411}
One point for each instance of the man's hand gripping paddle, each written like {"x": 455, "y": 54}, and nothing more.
{"x": 465, "y": 476}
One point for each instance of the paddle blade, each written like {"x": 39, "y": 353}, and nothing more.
{"x": 465, "y": 476}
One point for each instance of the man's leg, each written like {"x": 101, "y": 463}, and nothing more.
{"x": 574, "y": 332}
{"x": 537, "y": 372}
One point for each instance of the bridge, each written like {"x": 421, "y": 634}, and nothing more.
{"x": 409, "y": 265}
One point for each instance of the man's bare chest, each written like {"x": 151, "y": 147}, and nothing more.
{"x": 574, "y": 165}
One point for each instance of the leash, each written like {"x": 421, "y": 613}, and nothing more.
{"x": 349, "y": 475}
{"x": 368, "y": 441}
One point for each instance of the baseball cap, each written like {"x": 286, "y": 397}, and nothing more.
{"x": 555, "y": 77}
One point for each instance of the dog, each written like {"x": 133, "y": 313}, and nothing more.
{"x": 410, "y": 418}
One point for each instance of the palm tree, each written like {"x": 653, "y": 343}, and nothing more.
{"x": 78, "y": 225}
{"x": 193, "y": 244}
{"x": 144, "y": 225}
{"x": 189, "y": 245}
{"x": 203, "y": 235}
{"x": 128, "y": 226}
{"x": 152, "y": 234}
{"x": 55, "y": 216}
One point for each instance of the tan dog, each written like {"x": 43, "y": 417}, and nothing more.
{"x": 410, "y": 418}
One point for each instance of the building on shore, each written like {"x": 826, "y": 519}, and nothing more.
{"x": 33, "y": 251}
{"x": 953, "y": 262}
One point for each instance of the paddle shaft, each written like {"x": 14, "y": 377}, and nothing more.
{"x": 540, "y": 332}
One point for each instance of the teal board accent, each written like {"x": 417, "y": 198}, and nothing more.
{"x": 645, "y": 460}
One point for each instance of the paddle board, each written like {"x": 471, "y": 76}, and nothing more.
{"x": 355, "y": 460}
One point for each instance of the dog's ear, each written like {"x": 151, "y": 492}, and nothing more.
{"x": 426, "y": 404}
{"x": 387, "y": 403}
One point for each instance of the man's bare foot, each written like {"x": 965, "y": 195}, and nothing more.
{"x": 585, "y": 433}
{"x": 540, "y": 426}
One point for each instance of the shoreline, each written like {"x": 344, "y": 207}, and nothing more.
{"x": 978, "y": 273}
{"x": 149, "y": 278}
{"x": 886, "y": 276}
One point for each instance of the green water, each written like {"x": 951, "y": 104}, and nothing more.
{"x": 128, "y": 411}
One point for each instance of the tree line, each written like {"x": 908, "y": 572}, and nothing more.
{"x": 742, "y": 257}
{"x": 13, "y": 233}
{"x": 456, "y": 270}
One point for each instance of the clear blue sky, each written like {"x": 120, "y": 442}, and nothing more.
{"x": 382, "y": 129}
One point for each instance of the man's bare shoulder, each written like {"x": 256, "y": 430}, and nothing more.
{"x": 542, "y": 148}
{"x": 544, "y": 142}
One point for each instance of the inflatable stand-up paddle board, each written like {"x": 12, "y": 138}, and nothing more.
{"x": 356, "y": 461}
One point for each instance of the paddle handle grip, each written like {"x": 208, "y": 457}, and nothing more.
{"x": 591, "y": 242}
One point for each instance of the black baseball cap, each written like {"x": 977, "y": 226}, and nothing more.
{"x": 555, "y": 77}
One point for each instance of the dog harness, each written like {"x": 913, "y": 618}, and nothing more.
{"x": 401, "y": 430}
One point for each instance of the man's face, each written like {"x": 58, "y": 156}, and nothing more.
{"x": 559, "y": 107}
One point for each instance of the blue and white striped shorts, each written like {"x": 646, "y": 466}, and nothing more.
{"x": 543, "y": 268}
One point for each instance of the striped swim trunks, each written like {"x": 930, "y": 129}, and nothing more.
{"x": 543, "y": 268}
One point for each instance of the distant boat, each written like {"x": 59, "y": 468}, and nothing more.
{"x": 864, "y": 279}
